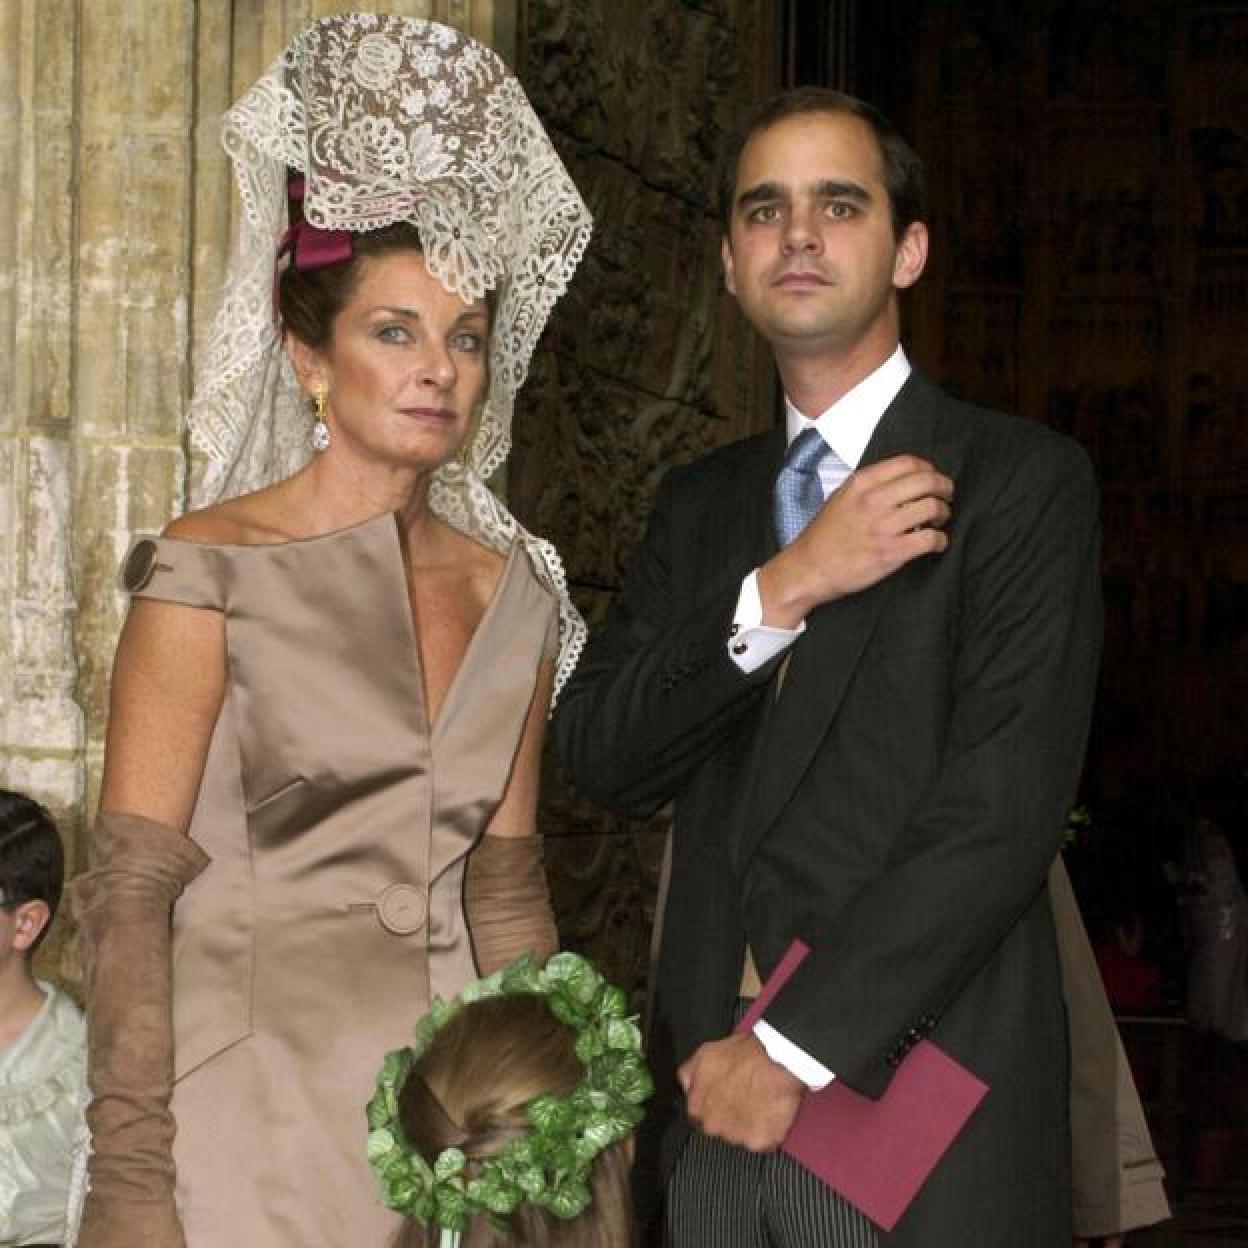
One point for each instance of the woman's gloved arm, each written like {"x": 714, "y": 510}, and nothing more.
{"x": 123, "y": 905}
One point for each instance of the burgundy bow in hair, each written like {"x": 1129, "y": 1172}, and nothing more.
{"x": 309, "y": 246}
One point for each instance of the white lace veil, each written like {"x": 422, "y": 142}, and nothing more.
{"x": 391, "y": 119}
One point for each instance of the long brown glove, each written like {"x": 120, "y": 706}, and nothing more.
{"x": 123, "y": 907}
{"x": 506, "y": 902}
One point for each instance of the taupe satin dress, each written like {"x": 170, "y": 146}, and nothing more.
{"x": 338, "y": 821}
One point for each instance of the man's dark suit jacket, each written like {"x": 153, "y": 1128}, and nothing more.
{"x": 896, "y": 801}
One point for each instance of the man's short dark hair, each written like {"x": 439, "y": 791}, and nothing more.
{"x": 32, "y": 861}
{"x": 902, "y": 168}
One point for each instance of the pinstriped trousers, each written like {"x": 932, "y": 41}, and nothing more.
{"x": 722, "y": 1196}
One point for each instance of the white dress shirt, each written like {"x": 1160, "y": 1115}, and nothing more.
{"x": 846, "y": 427}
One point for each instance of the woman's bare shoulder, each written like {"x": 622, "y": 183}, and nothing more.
{"x": 249, "y": 520}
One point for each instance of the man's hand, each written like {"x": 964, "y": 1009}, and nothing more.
{"x": 881, "y": 518}
{"x": 735, "y": 1092}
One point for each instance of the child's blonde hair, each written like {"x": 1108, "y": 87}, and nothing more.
{"x": 469, "y": 1090}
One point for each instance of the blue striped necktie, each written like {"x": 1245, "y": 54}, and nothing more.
{"x": 798, "y": 490}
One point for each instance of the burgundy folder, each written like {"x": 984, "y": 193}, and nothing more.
{"x": 877, "y": 1154}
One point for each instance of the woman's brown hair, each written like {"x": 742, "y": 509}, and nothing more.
{"x": 470, "y": 1090}
{"x": 309, "y": 300}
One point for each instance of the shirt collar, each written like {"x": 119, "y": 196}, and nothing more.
{"x": 848, "y": 424}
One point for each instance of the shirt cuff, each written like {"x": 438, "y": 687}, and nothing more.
{"x": 812, "y": 1072}
{"x": 751, "y": 643}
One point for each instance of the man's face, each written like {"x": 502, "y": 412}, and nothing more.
{"x": 810, "y": 253}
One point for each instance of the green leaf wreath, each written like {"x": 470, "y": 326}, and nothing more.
{"x": 548, "y": 1165}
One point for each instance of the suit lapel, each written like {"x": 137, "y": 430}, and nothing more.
{"x": 825, "y": 658}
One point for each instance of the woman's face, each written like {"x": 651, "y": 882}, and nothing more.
{"x": 405, "y": 367}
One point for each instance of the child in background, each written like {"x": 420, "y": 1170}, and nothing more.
{"x": 1216, "y": 905}
{"x": 1133, "y": 981}
{"x": 43, "y": 1084}
{"x": 509, "y": 1121}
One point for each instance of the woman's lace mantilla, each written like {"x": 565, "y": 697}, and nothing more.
{"x": 391, "y": 119}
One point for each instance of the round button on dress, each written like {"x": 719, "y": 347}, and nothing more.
{"x": 401, "y": 909}
{"x": 140, "y": 564}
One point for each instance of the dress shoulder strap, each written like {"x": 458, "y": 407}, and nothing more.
{"x": 171, "y": 570}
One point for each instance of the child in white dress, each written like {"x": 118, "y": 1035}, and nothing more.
{"x": 42, "y": 1036}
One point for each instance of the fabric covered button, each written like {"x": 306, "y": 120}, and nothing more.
{"x": 140, "y": 564}
{"x": 401, "y": 909}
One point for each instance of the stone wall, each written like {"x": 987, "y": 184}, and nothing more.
{"x": 115, "y": 214}
{"x": 646, "y": 362}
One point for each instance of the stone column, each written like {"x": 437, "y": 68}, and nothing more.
{"x": 130, "y": 339}
{"x": 41, "y": 729}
